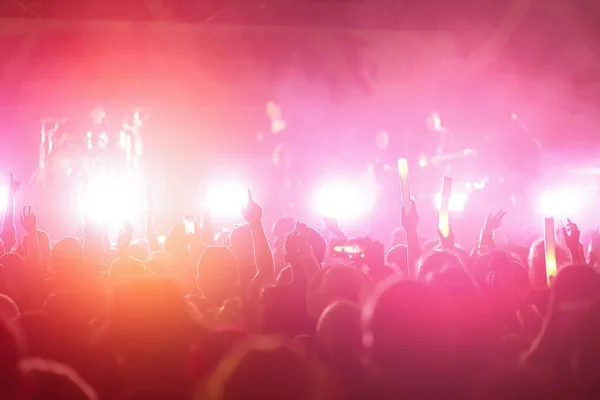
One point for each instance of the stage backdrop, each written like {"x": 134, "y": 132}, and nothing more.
{"x": 198, "y": 79}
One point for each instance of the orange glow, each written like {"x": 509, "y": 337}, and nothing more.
{"x": 444, "y": 215}
{"x": 551, "y": 267}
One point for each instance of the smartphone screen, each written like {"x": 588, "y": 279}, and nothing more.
{"x": 347, "y": 249}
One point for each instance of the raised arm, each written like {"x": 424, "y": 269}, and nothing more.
{"x": 486, "y": 239}
{"x": 572, "y": 235}
{"x": 410, "y": 221}
{"x": 29, "y": 223}
{"x": 9, "y": 232}
{"x": 262, "y": 251}
{"x": 310, "y": 264}
{"x": 332, "y": 227}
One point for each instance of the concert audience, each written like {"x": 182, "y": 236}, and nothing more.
{"x": 191, "y": 319}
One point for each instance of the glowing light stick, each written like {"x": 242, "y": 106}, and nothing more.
{"x": 444, "y": 216}
{"x": 549, "y": 245}
{"x": 403, "y": 173}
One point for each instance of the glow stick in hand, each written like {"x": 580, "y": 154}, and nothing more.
{"x": 403, "y": 173}
{"x": 444, "y": 216}
{"x": 549, "y": 245}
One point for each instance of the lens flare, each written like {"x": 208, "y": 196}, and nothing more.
{"x": 226, "y": 199}
{"x": 113, "y": 196}
{"x": 343, "y": 200}
{"x": 3, "y": 197}
{"x": 457, "y": 201}
{"x": 560, "y": 202}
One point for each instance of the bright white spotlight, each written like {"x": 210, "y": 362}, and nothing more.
{"x": 560, "y": 202}
{"x": 112, "y": 197}
{"x": 225, "y": 199}
{"x": 457, "y": 201}
{"x": 343, "y": 200}
{"x": 3, "y": 197}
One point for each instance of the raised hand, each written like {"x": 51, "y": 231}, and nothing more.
{"x": 252, "y": 212}
{"x": 410, "y": 218}
{"x": 13, "y": 186}
{"x": 493, "y": 221}
{"x": 571, "y": 234}
{"x": 592, "y": 259}
{"x": 29, "y": 220}
{"x": 447, "y": 242}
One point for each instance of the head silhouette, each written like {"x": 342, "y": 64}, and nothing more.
{"x": 436, "y": 261}
{"x": 398, "y": 237}
{"x": 397, "y": 257}
{"x": 537, "y": 263}
{"x": 573, "y": 294}
{"x": 315, "y": 240}
{"x": 66, "y": 258}
{"x": 264, "y": 368}
{"x": 337, "y": 283}
{"x": 125, "y": 270}
{"x": 8, "y": 309}
{"x": 283, "y": 226}
{"x": 339, "y": 332}
{"x": 54, "y": 380}
{"x": 404, "y": 329}
{"x": 217, "y": 273}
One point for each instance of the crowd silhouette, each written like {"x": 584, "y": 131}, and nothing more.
{"x": 258, "y": 314}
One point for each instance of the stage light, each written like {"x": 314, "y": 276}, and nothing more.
{"x": 560, "y": 202}
{"x": 112, "y": 197}
{"x": 343, "y": 200}
{"x": 225, "y": 199}
{"x": 3, "y": 197}
{"x": 457, "y": 201}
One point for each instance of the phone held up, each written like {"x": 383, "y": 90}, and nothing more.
{"x": 349, "y": 249}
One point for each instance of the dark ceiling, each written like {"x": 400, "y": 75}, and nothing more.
{"x": 378, "y": 14}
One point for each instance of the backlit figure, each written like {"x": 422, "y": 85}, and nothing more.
{"x": 130, "y": 138}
